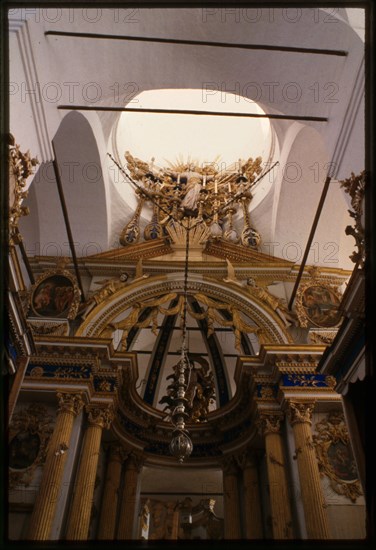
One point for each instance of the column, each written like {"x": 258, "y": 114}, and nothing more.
{"x": 107, "y": 522}
{"x": 45, "y": 504}
{"x": 130, "y": 498}
{"x": 174, "y": 516}
{"x": 80, "y": 512}
{"x": 300, "y": 415}
{"x": 270, "y": 425}
{"x": 232, "y": 526}
{"x": 252, "y": 499}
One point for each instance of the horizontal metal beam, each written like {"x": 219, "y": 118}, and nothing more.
{"x": 178, "y": 41}
{"x": 189, "y": 112}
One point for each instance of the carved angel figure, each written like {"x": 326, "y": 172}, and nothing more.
{"x": 275, "y": 303}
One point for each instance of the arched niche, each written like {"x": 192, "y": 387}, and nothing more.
{"x": 83, "y": 183}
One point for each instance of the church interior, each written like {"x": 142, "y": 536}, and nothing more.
{"x": 186, "y": 353}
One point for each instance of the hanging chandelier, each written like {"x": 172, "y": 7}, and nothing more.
{"x": 181, "y": 445}
{"x": 163, "y": 189}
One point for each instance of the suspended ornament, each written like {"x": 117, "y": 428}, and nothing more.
{"x": 249, "y": 236}
{"x": 231, "y": 234}
{"x": 154, "y": 229}
{"x": 131, "y": 232}
{"x": 215, "y": 229}
{"x": 181, "y": 445}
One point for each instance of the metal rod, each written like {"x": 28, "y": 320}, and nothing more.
{"x": 66, "y": 221}
{"x": 99, "y": 108}
{"x": 231, "y": 45}
{"x": 25, "y": 258}
{"x": 186, "y": 268}
{"x": 310, "y": 239}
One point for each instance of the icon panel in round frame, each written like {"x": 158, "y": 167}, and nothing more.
{"x": 321, "y": 305}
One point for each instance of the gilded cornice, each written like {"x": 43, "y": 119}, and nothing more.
{"x": 147, "y": 249}
{"x": 268, "y": 269}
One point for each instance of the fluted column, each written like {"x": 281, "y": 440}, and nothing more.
{"x": 252, "y": 499}
{"x": 175, "y": 523}
{"x": 270, "y": 426}
{"x": 300, "y": 415}
{"x": 130, "y": 498}
{"x": 44, "y": 509}
{"x": 232, "y": 525}
{"x": 107, "y": 522}
{"x": 80, "y": 512}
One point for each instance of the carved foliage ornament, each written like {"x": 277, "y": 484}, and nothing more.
{"x": 29, "y": 434}
{"x": 335, "y": 456}
{"x": 355, "y": 187}
{"x": 21, "y": 166}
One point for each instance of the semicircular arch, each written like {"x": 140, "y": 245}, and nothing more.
{"x": 141, "y": 291}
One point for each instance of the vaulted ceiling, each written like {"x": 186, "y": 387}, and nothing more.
{"x": 305, "y": 64}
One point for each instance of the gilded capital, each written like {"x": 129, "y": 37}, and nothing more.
{"x": 269, "y": 423}
{"x": 230, "y": 465}
{"x": 134, "y": 461}
{"x": 100, "y": 416}
{"x": 299, "y": 412}
{"x": 70, "y": 402}
{"x": 247, "y": 459}
{"x": 117, "y": 453}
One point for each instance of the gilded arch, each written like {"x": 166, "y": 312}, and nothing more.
{"x": 239, "y": 299}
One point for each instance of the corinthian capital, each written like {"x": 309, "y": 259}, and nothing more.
{"x": 117, "y": 453}
{"x": 247, "y": 459}
{"x": 268, "y": 423}
{"x": 299, "y": 412}
{"x": 70, "y": 402}
{"x": 134, "y": 461}
{"x": 230, "y": 465}
{"x": 100, "y": 416}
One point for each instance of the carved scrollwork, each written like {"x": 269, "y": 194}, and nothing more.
{"x": 334, "y": 455}
{"x": 29, "y": 434}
